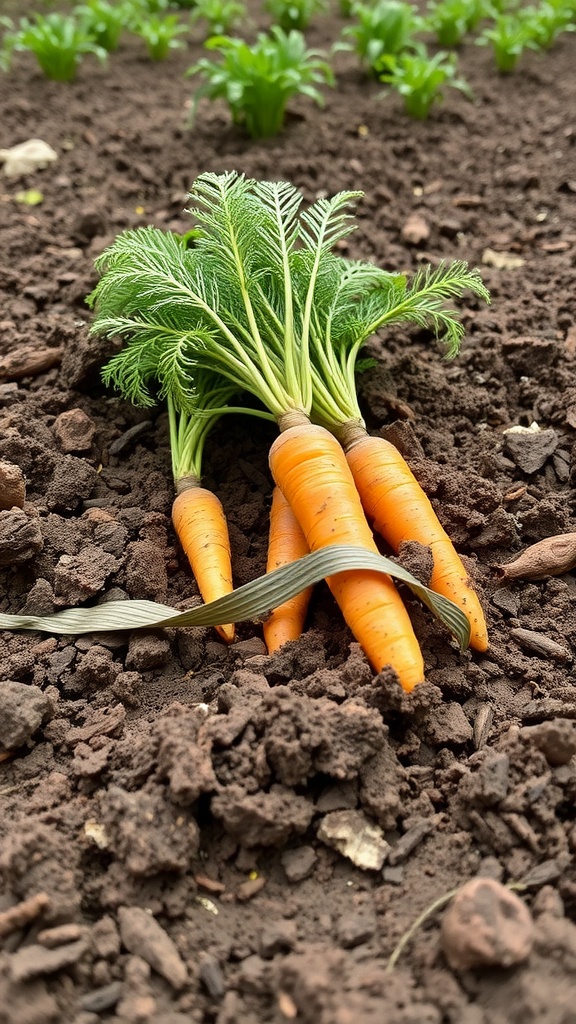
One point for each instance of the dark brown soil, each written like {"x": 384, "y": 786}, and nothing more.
{"x": 170, "y": 774}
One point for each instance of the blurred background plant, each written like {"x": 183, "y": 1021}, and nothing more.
{"x": 219, "y": 16}
{"x": 257, "y": 79}
{"x": 421, "y": 79}
{"x": 383, "y": 29}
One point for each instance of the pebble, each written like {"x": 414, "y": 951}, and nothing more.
{"x": 249, "y": 889}
{"x": 556, "y": 739}
{"x": 74, "y": 430}
{"x": 143, "y": 936}
{"x": 540, "y": 644}
{"x": 24, "y": 708}
{"x": 530, "y": 449}
{"x": 410, "y": 840}
{"x": 486, "y": 925}
{"x": 355, "y": 837}
{"x": 101, "y": 999}
{"x": 12, "y": 486}
{"x": 211, "y": 976}
{"x": 299, "y": 863}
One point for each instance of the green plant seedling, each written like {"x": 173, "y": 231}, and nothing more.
{"x": 257, "y": 79}
{"x": 294, "y": 13}
{"x": 221, "y": 16}
{"x": 8, "y": 42}
{"x": 161, "y": 34}
{"x": 421, "y": 79}
{"x": 450, "y": 20}
{"x": 382, "y": 29}
{"x": 104, "y": 21}
{"x": 547, "y": 21}
{"x": 58, "y": 42}
{"x": 509, "y": 36}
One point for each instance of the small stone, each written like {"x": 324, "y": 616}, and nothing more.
{"x": 506, "y": 601}
{"x": 101, "y": 999}
{"x": 556, "y": 739}
{"x": 486, "y": 925}
{"x": 393, "y": 875}
{"x": 530, "y": 448}
{"x": 144, "y": 937}
{"x": 74, "y": 430}
{"x": 541, "y": 645}
{"x": 211, "y": 976}
{"x": 24, "y": 708}
{"x": 410, "y": 840}
{"x": 299, "y": 863}
{"x": 250, "y": 888}
{"x": 355, "y": 837}
{"x": 12, "y": 486}
{"x": 416, "y": 229}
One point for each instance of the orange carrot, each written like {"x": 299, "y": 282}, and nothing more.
{"x": 400, "y": 511}
{"x": 286, "y": 544}
{"x": 309, "y": 466}
{"x": 200, "y": 525}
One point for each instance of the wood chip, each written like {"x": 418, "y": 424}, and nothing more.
{"x": 541, "y": 644}
{"x": 28, "y": 362}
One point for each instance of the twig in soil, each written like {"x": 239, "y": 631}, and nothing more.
{"x": 416, "y": 925}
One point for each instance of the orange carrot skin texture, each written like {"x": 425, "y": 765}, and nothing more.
{"x": 200, "y": 525}
{"x": 400, "y": 511}
{"x": 309, "y": 466}
{"x": 286, "y": 544}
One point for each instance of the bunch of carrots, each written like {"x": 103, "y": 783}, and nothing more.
{"x": 261, "y": 306}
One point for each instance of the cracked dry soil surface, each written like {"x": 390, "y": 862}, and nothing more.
{"x": 177, "y": 818}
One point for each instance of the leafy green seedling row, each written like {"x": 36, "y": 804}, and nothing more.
{"x": 258, "y": 78}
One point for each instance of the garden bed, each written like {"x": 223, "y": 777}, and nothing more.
{"x": 167, "y": 772}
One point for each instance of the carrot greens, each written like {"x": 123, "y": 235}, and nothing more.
{"x": 262, "y": 304}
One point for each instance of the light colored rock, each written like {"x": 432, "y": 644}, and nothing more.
{"x": 27, "y": 157}
{"x": 355, "y": 837}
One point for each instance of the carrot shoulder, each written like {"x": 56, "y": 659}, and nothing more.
{"x": 200, "y": 525}
{"x": 400, "y": 511}
{"x": 286, "y": 543}
{"x": 309, "y": 466}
